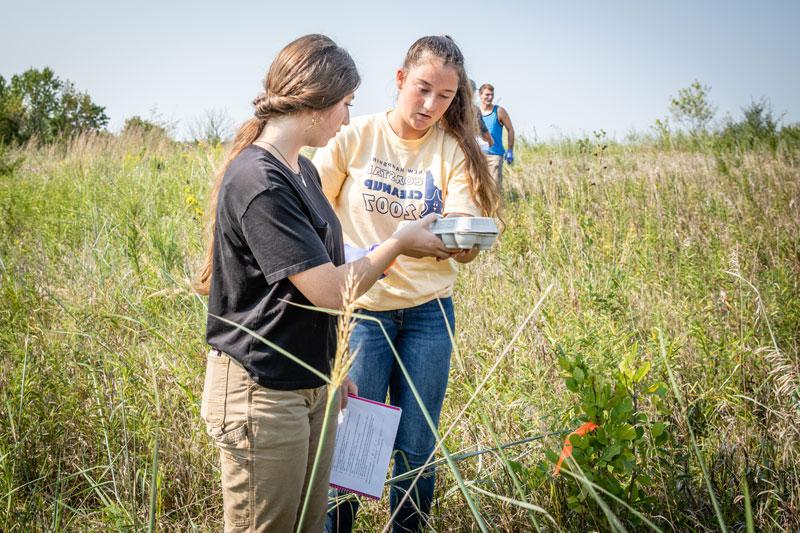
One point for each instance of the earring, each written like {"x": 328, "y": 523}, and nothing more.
{"x": 314, "y": 120}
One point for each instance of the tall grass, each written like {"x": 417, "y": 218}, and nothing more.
{"x": 102, "y": 339}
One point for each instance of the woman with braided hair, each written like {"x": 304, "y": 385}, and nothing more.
{"x": 274, "y": 241}
{"x": 403, "y": 164}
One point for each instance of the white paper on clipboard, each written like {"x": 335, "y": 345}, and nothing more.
{"x": 364, "y": 442}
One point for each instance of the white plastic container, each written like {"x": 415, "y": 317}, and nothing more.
{"x": 466, "y": 232}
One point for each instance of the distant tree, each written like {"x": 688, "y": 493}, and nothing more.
{"x": 212, "y": 127}
{"x": 38, "y": 104}
{"x": 758, "y": 127}
{"x": 12, "y": 114}
{"x": 758, "y": 118}
{"x": 139, "y": 125}
{"x": 78, "y": 113}
{"x": 692, "y": 108}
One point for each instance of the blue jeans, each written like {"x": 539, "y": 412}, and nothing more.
{"x": 420, "y": 336}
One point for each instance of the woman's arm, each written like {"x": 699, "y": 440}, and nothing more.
{"x": 324, "y": 285}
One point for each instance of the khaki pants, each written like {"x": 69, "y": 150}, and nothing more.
{"x": 267, "y": 440}
{"x": 496, "y": 169}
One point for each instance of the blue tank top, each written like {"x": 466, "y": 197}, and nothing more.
{"x": 496, "y": 131}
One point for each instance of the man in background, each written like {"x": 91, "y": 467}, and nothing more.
{"x": 484, "y": 138}
{"x": 496, "y": 118}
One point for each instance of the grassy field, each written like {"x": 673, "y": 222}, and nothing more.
{"x": 684, "y": 264}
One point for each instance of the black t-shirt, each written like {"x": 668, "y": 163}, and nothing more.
{"x": 270, "y": 226}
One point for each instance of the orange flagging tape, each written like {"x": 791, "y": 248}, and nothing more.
{"x": 566, "y": 451}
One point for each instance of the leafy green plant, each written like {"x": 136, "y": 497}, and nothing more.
{"x": 692, "y": 107}
{"x": 592, "y": 152}
{"x": 663, "y": 133}
{"x": 617, "y": 454}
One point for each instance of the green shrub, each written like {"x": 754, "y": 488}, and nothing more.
{"x": 757, "y": 129}
{"x": 620, "y": 455}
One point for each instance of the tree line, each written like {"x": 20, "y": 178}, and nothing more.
{"x": 38, "y": 105}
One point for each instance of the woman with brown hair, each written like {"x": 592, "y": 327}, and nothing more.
{"x": 274, "y": 241}
{"x": 403, "y": 164}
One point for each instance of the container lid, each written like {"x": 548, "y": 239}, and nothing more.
{"x": 464, "y": 225}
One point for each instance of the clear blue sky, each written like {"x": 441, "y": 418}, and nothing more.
{"x": 559, "y": 68}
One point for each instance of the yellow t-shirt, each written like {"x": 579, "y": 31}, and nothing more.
{"x": 375, "y": 180}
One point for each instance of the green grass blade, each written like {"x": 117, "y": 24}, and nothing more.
{"x": 748, "y": 506}
{"x": 333, "y": 396}
{"x": 679, "y": 398}
{"x": 154, "y": 488}
{"x": 507, "y": 464}
{"x": 524, "y": 505}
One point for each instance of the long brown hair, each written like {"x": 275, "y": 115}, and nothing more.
{"x": 311, "y": 73}
{"x": 460, "y": 119}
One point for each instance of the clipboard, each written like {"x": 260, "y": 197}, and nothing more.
{"x": 364, "y": 442}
